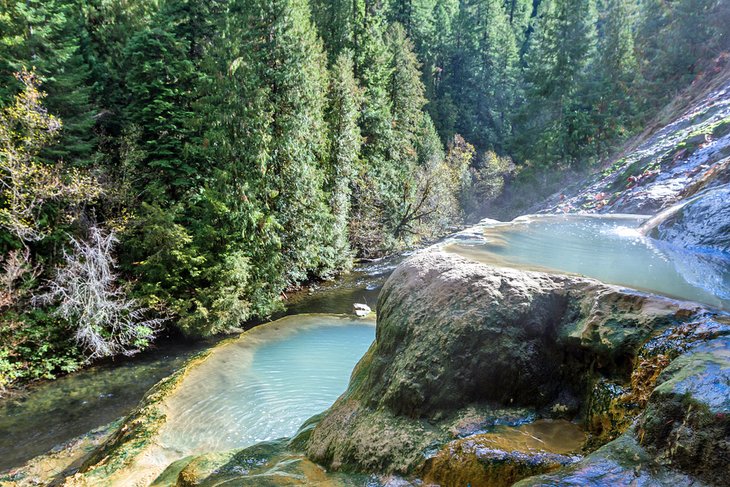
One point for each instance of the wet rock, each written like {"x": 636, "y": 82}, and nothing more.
{"x": 667, "y": 163}
{"x": 613, "y": 407}
{"x": 621, "y": 462}
{"x": 505, "y": 455}
{"x": 452, "y": 333}
{"x": 361, "y": 309}
{"x": 703, "y": 222}
{"x": 467, "y": 462}
{"x": 62, "y": 461}
{"x": 687, "y": 420}
{"x": 264, "y": 464}
{"x": 107, "y": 462}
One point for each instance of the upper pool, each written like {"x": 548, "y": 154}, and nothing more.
{"x": 609, "y": 248}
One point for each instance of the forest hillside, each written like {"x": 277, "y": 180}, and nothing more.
{"x": 177, "y": 166}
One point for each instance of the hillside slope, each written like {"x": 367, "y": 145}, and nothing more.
{"x": 685, "y": 149}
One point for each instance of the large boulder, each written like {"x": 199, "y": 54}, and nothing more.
{"x": 701, "y": 222}
{"x": 453, "y": 333}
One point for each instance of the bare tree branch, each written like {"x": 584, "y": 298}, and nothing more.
{"x": 86, "y": 292}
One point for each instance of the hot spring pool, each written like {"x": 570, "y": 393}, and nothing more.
{"x": 609, "y": 248}
{"x": 265, "y": 384}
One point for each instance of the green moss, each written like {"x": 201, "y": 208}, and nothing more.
{"x": 614, "y": 167}
{"x": 721, "y": 128}
{"x": 264, "y": 464}
{"x": 168, "y": 478}
{"x": 717, "y": 129}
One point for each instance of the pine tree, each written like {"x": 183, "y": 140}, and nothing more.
{"x": 519, "y": 13}
{"x": 616, "y": 77}
{"x": 345, "y": 141}
{"x": 418, "y": 19}
{"x": 676, "y": 37}
{"x": 407, "y": 96}
{"x": 373, "y": 69}
{"x": 443, "y": 67}
{"x": 558, "y": 58}
{"x": 160, "y": 82}
{"x": 280, "y": 66}
{"x": 167, "y": 71}
{"x": 49, "y": 36}
{"x": 337, "y": 22}
{"x": 481, "y": 76}
{"x": 110, "y": 25}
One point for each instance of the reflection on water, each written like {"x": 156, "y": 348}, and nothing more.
{"x": 555, "y": 436}
{"x": 608, "y": 248}
{"x": 266, "y": 384}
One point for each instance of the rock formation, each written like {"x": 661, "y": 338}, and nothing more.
{"x": 460, "y": 339}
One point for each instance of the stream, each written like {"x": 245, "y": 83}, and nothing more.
{"x": 266, "y": 384}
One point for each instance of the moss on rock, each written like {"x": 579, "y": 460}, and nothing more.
{"x": 268, "y": 464}
{"x": 687, "y": 420}
{"x": 455, "y": 334}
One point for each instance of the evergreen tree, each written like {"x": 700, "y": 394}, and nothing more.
{"x": 407, "y": 96}
{"x": 443, "y": 67}
{"x": 481, "y": 77}
{"x": 560, "y": 53}
{"x": 337, "y": 22}
{"x": 374, "y": 68}
{"x": 49, "y": 37}
{"x": 280, "y": 66}
{"x": 418, "y": 19}
{"x": 110, "y": 25}
{"x": 616, "y": 78}
{"x": 345, "y": 141}
{"x": 519, "y": 13}
{"x": 160, "y": 82}
{"x": 676, "y": 36}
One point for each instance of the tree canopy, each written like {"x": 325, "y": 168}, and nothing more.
{"x": 226, "y": 151}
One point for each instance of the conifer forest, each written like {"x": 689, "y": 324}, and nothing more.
{"x": 179, "y": 167}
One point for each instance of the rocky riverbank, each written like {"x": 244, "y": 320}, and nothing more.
{"x": 489, "y": 376}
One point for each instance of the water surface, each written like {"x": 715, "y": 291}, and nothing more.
{"x": 266, "y": 384}
{"x": 54, "y": 412}
{"x": 609, "y": 248}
